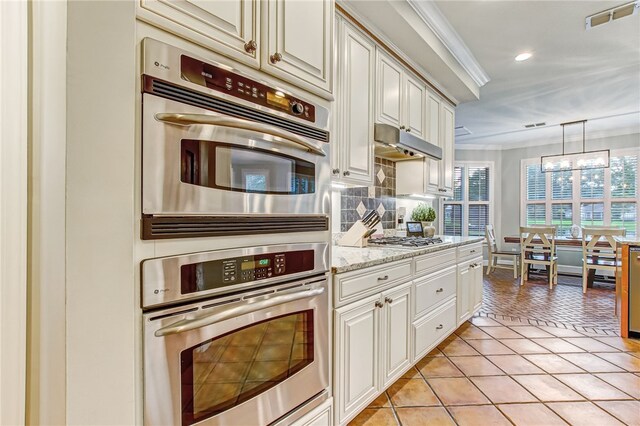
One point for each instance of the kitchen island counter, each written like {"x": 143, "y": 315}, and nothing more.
{"x": 344, "y": 259}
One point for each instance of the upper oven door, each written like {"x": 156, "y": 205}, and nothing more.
{"x": 199, "y": 162}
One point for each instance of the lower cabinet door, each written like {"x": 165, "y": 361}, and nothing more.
{"x": 395, "y": 333}
{"x": 356, "y": 370}
{"x": 478, "y": 284}
{"x": 463, "y": 291}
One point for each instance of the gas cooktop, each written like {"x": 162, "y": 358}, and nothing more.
{"x": 408, "y": 242}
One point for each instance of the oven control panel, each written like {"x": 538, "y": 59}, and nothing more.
{"x": 239, "y": 86}
{"x": 239, "y": 270}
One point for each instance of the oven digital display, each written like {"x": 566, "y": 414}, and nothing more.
{"x": 260, "y": 263}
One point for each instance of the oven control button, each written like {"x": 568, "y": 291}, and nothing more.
{"x": 297, "y": 108}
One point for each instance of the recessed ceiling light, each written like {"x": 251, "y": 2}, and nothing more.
{"x": 523, "y": 56}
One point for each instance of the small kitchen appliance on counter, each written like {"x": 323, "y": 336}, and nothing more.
{"x": 414, "y": 229}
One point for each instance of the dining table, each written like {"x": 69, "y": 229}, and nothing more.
{"x": 564, "y": 242}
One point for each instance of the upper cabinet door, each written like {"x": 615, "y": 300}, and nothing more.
{"x": 298, "y": 42}
{"x": 433, "y": 136}
{"x": 355, "y": 105}
{"x": 414, "y": 116}
{"x": 388, "y": 90}
{"x": 230, "y": 27}
{"x": 447, "y": 123}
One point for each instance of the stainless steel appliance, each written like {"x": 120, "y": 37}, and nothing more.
{"x": 244, "y": 357}
{"x": 227, "y": 154}
{"x": 395, "y": 144}
{"x": 405, "y": 242}
{"x": 634, "y": 291}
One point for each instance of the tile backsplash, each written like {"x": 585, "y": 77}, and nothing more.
{"x": 355, "y": 202}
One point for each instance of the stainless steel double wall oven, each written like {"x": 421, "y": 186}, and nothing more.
{"x": 236, "y": 336}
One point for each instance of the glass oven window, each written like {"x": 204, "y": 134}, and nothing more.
{"x": 223, "y": 372}
{"x": 244, "y": 169}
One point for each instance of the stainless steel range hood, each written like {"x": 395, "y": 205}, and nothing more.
{"x": 396, "y": 145}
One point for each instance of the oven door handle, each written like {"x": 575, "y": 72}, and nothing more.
{"x": 238, "y": 123}
{"x": 248, "y": 306}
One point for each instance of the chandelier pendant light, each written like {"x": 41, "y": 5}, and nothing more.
{"x": 576, "y": 160}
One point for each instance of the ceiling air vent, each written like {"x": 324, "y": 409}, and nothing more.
{"x": 612, "y": 14}
{"x": 462, "y": 131}
{"x": 532, "y": 125}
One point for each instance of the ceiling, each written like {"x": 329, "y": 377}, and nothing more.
{"x": 574, "y": 74}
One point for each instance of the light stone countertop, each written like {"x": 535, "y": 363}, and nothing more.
{"x": 632, "y": 241}
{"x": 344, "y": 259}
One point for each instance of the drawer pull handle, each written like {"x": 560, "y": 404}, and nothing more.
{"x": 379, "y": 305}
{"x": 472, "y": 251}
{"x": 440, "y": 290}
{"x": 386, "y": 277}
{"x": 440, "y": 327}
{"x": 388, "y": 300}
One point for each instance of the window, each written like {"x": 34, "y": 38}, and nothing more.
{"x": 468, "y": 212}
{"x": 596, "y": 197}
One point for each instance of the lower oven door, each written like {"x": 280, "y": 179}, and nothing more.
{"x": 241, "y": 360}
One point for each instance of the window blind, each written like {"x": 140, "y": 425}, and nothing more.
{"x": 624, "y": 175}
{"x": 536, "y": 189}
{"x": 453, "y": 219}
{"x": 561, "y": 185}
{"x": 625, "y": 215}
{"x": 592, "y": 183}
{"x": 562, "y": 218}
{"x": 478, "y": 184}
{"x": 458, "y": 179}
{"x": 536, "y": 214}
{"x": 592, "y": 214}
{"x": 478, "y": 219}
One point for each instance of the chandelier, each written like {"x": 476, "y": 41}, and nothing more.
{"x": 576, "y": 160}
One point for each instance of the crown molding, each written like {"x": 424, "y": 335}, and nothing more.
{"x": 438, "y": 23}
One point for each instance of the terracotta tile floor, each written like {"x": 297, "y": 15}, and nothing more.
{"x": 523, "y": 375}
{"x": 564, "y": 305}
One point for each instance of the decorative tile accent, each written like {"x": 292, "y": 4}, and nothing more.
{"x": 381, "y": 210}
{"x": 383, "y": 192}
{"x": 361, "y": 209}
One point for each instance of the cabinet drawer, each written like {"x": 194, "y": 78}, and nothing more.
{"x": 471, "y": 250}
{"x": 432, "y": 289}
{"x": 431, "y": 261}
{"x": 433, "y": 329}
{"x": 370, "y": 280}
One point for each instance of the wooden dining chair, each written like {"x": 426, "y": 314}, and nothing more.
{"x": 598, "y": 250}
{"x": 538, "y": 247}
{"x": 495, "y": 254}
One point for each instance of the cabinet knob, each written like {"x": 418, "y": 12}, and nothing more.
{"x": 440, "y": 327}
{"x": 408, "y": 130}
{"x": 379, "y": 305}
{"x": 402, "y": 127}
{"x": 276, "y": 57}
{"x": 386, "y": 277}
{"x": 250, "y": 46}
{"x": 388, "y": 300}
{"x": 440, "y": 290}
{"x": 335, "y": 171}
{"x": 442, "y": 190}
{"x": 346, "y": 173}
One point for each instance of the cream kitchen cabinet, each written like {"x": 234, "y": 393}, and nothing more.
{"x": 428, "y": 176}
{"x": 477, "y": 284}
{"x": 290, "y": 39}
{"x": 372, "y": 348}
{"x": 352, "y": 155}
{"x": 447, "y": 132}
{"x": 297, "y": 42}
{"x": 469, "y": 288}
{"x": 400, "y": 97}
{"x": 230, "y": 27}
